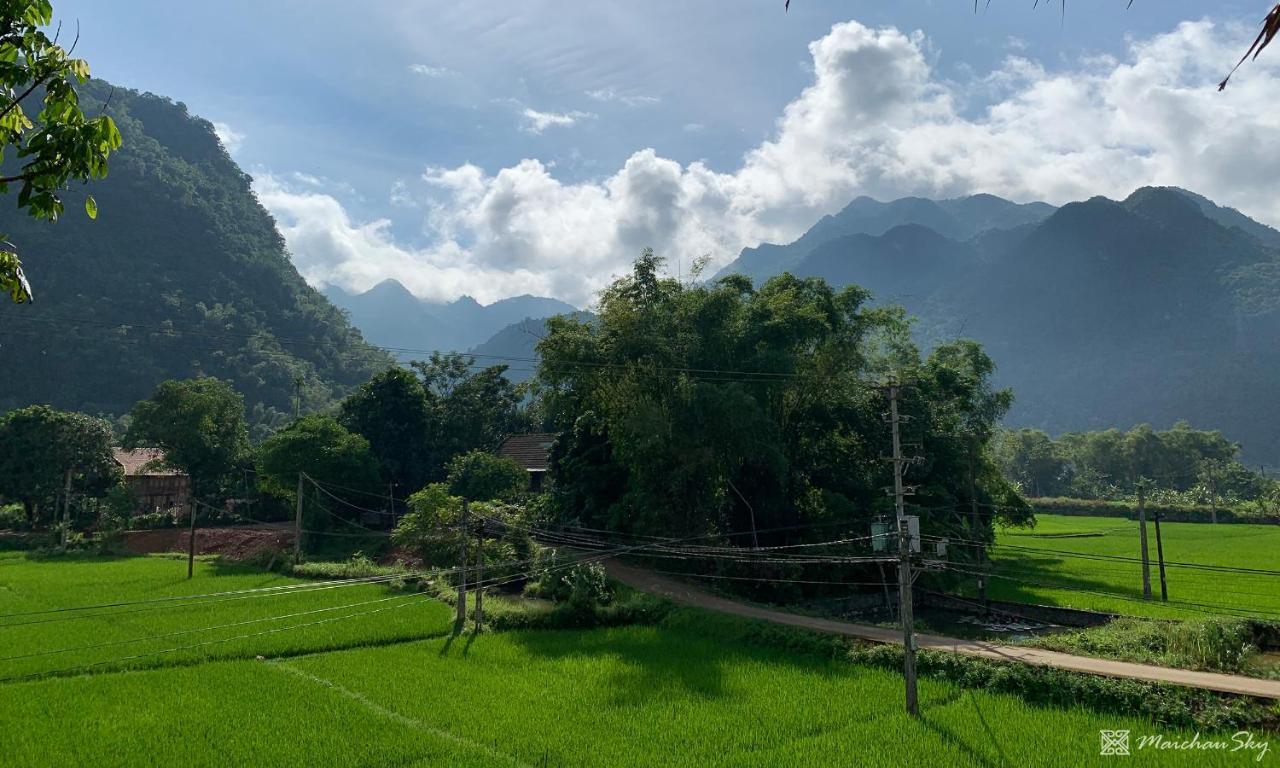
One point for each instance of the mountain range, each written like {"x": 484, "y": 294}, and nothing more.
{"x": 390, "y": 316}
{"x": 1099, "y": 313}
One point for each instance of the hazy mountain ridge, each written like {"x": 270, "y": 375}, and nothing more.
{"x": 390, "y": 316}
{"x": 1101, "y": 313}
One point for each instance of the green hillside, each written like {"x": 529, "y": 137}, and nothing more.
{"x": 183, "y": 273}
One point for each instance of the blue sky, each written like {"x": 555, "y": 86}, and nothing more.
{"x": 431, "y": 141}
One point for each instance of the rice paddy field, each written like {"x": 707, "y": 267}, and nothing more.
{"x": 392, "y": 688}
{"x": 1068, "y": 561}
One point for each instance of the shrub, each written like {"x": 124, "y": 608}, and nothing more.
{"x": 582, "y": 586}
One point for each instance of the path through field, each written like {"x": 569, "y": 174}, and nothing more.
{"x": 646, "y": 581}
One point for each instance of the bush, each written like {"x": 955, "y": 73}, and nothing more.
{"x": 360, "y": 566}
{"x": 1217, "y": 644}
{"x": 12, "y": 517}
{"x": 582, "y": 586}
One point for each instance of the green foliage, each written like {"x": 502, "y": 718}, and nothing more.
{"x": 321, "y": 447}
{"x": 199, "y": 424}
{"x": 581, "y": 586}
{"x": 390, "y": 411}
{"x": 483, "y": 476}
{"x": 358, "y": 566}
{"x": 710, "y": 409}
{"x": 1182, "y": 465}
{"x": 1213, "y": 644}
{"x": 60, "y": 144}
{"x": 416, "y": 425}
{"x": 184, "y": 274}
{"x": 38, "y": 445}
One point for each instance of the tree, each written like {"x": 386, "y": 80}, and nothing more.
{"x": 199, "y": 424}
{"x": 472, "y": 409}
{"x": 60, "y": 143}
{"x": 482, "y": 476}
{"x": 391, "y": 412}
{"x": 321, "y": 447}
{"x": 39, "y": 445}
{"x": 723, "y": 409}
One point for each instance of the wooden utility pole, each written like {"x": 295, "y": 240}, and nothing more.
{"x": 297, "y": 522}
{"x": 908, "y": 617}
{"x": 463, "y": 533}
{"x": 1213, "y": 494}
{"x": 1164, "y": 590}
{"x": 1142, "y": 536}
{"x": 904, "y": 558}
{"x": 975, "y": 523}
{"x": 479, "y": 587}
{"x": 66, "y": 506}
{"x": 191, "y": 537}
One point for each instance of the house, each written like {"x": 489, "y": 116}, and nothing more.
{"x": 156, "y": 487}
{"x": 531, "y": 451}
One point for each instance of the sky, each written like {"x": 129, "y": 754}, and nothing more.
{"x": 509, "y": 147}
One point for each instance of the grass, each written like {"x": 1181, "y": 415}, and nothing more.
{"x": 1036, "y": 571}
{"x": 364, "y": 692}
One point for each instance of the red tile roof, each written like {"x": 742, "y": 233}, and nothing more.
{"x": 531, "y": 451}
{"x": 143, "y": 461}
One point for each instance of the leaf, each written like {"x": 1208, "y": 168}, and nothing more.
{"x": 91, "y": 207}
{"x": 1270, "y": 26}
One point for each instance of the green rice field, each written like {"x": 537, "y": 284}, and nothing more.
{"x": 1044, "y": 565}
{"x": 393, "y": 689}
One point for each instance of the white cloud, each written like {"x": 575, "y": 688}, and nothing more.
{"x": 608, "y": 95}
{"x": 537, "y": 122}
{"x": 329, "y": 248}
{"x": 875, "y": 120}
{"x": 230, "y": 138}
{"x": 426, "y": 70}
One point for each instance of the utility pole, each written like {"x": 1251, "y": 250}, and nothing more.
{"x": 191, "y": 537}
{"x": 479, "y": 586}
{"x": 975, "y": 523}
{"x": 297, "y": 397}
{"x": 66, "y": 506}
{"x": 297, "y": 522}
{"x": 1213, "y": 494}
{"x": 755, "y": 540}
{"x": 904, "y": 557}
{"x": 462, "y": 568}
{"x": 1142, "y": 535}
{"x": 908, "y": 618}
{"x": 1164, "y": 590}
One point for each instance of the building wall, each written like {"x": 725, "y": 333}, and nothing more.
{"x": 159, "y": 492}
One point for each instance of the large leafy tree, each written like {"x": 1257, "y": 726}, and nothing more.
{"x": 391, "y": 412}
{"x": 199, "y": 424}
{"x": 39, "y": 445}
{"x": 472, "y": 409}
{"x": 717, "y": 408}
{"x": 482, "y": 476}
{"x": 49, "y": 145}
{"x": 321, "y": 447}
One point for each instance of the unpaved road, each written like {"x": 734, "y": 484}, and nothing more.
{"x": 689, "y": 595}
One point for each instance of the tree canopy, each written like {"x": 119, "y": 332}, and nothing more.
{"x": 321, "y": 447}
{"x": 697, "y": 409}
{"x": 38, "y": 445}
{"x": 56, "y": 144}
{"x": 199, "y": 424}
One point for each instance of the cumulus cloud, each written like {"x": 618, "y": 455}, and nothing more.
{"x": 329, "y": 248}
{"x": 875, "y": 120}
{"x": 426, "y": 70}
{"x": 608, "y": 95}
{"x": 534, "y": 121}
{"x": 230, "y": 138}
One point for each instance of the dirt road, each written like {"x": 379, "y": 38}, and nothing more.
{"x": 690, "y": 595}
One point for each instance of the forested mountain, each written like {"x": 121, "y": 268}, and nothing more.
{"x": 960, "y": 218}
{"x": 182, "y": 273}
{"x": 1160, "y": 307}
{"x": 390, "y": 316}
